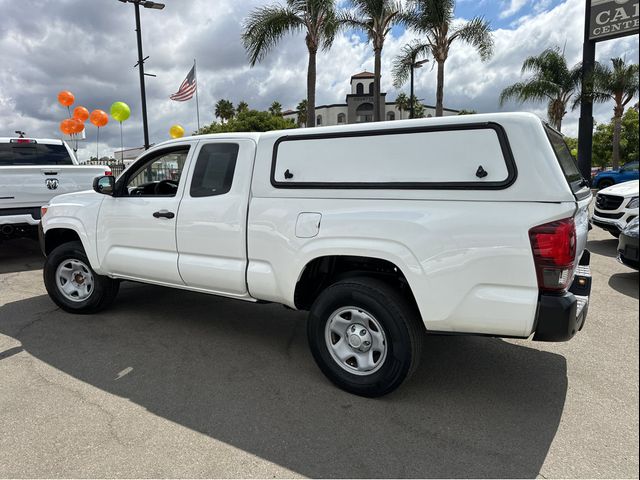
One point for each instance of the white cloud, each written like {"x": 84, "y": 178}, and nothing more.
{"x": 89, "y": 48}
{"x": 513, "y": 7}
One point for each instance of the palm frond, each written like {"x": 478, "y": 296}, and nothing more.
{"x": 533, "y": 90}
{"x": 402, "y": 63}
{"x": 477, "y": 33}
{"x": 265, "y": 26}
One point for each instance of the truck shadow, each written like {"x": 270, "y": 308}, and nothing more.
{"x": 625, "y": 283}
{"x": 20, "y": 255}
{"x": 607, "y": 248}
{"x": 242, "y": 374}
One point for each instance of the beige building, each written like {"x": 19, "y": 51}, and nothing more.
{"x": 359, "y": 106}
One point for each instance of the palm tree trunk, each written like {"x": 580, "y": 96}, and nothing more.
{"x": 311, "y": 90}
{"x": 440, "y": 90}
{"x": 559, "y": 124}
{"x": 617, "y": 128}
{"x": 377, "y": 67}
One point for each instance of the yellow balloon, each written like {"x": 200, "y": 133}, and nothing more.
{"x": 176, "y": 131}
{"x": 120, "y": 111}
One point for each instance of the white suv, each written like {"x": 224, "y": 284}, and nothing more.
{"x": 616, "y": 206}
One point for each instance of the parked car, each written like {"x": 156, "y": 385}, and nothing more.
{"x": 32, "y": 172}
{"x": 628, "y": 244}
{"x": 380, "y": 231}
{"x": 606, "y": 178}
{"x": 616, "y": 206}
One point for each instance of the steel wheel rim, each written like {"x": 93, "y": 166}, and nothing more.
{"x": 346, "y": 335}
{"x": 74, "y": 280}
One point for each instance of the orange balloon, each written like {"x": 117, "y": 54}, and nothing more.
{"x": 66, "y": 126}
{"x": 77, "y": 125}
{"x": 81, "y": 113}
{"x": 66, "y": 98}
{"x": 99, "y": 118}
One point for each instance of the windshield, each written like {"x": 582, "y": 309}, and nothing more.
{"x": 33, "y": 154}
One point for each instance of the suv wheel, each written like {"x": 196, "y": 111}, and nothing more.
{"x": 364, "y": 336}
{"x": 73, "y": 285}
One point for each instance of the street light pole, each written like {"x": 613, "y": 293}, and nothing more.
{"x": 141, "y": 59}
{"x": 411, "y": 94}
{"x": 414, "y": 64}
{"x": 143, "y": 94}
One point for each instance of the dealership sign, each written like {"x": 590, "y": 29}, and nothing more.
{"x": 613, "y": 18}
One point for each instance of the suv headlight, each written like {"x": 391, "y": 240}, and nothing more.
{"x": 633, "y": 203}
{"x": 631, "y": 230}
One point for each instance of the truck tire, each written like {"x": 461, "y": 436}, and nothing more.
{"x": 73, "y": 285}
{"x": 364, "y": 336}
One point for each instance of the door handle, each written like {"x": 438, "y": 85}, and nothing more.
{"x": 164, "y": 214}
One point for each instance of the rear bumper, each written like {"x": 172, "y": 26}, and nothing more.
{"x": 559, "y": 317}
{"x": 20, "y": 216}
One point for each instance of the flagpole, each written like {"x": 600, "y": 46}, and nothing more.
{"x": 195, "y": 75}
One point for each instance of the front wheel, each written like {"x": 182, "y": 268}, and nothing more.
{"x": 364, "y": 336}
{"x": 73, "y": 285}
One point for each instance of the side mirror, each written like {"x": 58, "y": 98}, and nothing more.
{"x": 104, "y": 184}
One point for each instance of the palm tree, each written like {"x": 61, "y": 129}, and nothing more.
{"x": 418, "y": 107}
{"x": 265, "y": 26}
{"x": 375, "y": 18}
{"x": 619, "y": 84}
{"x": 242, "y": 107}
{"x": 434, "y": 20}
{"x": 302, "y": 109}
{"x": 552, "y": 81}
{"x": 402, "y": 103}
{"x": 276, "y": 109}
{"x": 224, "y": 110}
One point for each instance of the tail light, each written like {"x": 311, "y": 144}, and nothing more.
{"x": 554, "y": 251}
{"x": 108, "y": 173}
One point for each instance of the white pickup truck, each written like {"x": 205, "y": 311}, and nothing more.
{"x": 382, "y": 231}
{"x": 32, "y": 172}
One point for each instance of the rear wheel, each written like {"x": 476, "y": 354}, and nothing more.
{"x": 73, "y": 285}
{"x": 365, "y": 337}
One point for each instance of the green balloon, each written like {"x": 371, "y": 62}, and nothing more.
{"x": 120, "y": 111}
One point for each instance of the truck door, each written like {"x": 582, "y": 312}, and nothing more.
{"x": 212, "y": 220}
{"x": 136, "y": 235}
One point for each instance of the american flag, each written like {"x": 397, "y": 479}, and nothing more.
{"x": 187, "y": 88}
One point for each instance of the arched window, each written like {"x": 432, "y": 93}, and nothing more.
{"x": 342, "y": 118}
{"x": 319, "y": 120}
{"x": 391, "y": 116}
{"x": 360, "y": 89}
{"x": 364, "y": 113}
{"x": 371, "y": 88}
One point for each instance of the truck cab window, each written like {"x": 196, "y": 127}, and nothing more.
{"x": 213, "y": 173}
{"x": 159, "y": 176}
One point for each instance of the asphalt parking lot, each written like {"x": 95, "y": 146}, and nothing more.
{"x": 170, "y": 383}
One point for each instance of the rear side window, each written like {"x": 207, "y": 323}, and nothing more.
{"x": 33, "y": 154}
{"x": 213, "y": 173}
{"x": 567, "y": 162}
{"x": 469, "y": 156}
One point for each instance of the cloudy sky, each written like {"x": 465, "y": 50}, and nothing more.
{"x": 89, "y": 48}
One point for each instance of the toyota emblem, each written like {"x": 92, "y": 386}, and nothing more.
{"x": 52, "y": 183}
